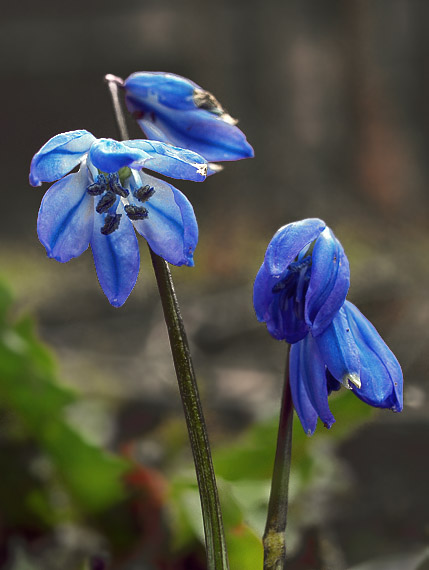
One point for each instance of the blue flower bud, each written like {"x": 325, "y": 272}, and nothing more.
{"x": 175, "y": 110}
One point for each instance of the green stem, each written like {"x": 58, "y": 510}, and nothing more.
{"x": 274, "y": 535}
{"x": 217, "y": 558}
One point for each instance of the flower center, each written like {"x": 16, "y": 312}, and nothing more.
{"x": 294, "y": 285}
{"x": 111, "y": 192}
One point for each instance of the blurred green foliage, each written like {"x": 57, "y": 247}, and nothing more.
{"x": 53, "y": 476}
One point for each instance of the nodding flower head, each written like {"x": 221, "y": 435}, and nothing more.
{"x": 175, "y": 110}
{"x": 300, "y": 293}
{"x": 109, "y": 197}
{"x": 302, "y": 282}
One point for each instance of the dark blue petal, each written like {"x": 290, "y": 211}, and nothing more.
{"x": 287, "y": 243}
{"x": 116, "y": 258}
{"x": 169, "y": 160}
{"x": 303, "y": 406}
{"x": 329, "y": 282}
{"x": 313, "y": 374}
{"x": 338, "y": 350}
{"x": 381, "y": 374}
{"x": 65, "y": 217}
{"x": 59, "y": 155}
{"x": 276, "y": 310}
{"x": 172, "y": 109}
{"x": 171, "y": 227}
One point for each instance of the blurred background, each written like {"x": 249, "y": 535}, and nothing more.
{"x": 96, "y": 469}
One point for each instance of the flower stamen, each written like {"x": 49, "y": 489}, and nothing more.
{"x": 144, "y": 193}
{"x": 106, "y": 202}
{"x": 111, "y": 223}
{"x": 136, "y": 212}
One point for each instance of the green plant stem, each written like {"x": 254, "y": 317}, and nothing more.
{"x": 217, "y": 558}
{"x": 274, "y": 535}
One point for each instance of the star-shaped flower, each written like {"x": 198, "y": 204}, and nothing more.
{"x": 110, "y": 195}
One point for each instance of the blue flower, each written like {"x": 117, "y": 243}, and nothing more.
{"x": 303, "y": 281}
{"x": 175, "y": 110}
{"x": 349, "y": 352}
{"x": 300, "y": 293}
{"x": 110, "y": 195}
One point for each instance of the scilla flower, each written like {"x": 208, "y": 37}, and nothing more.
{"x": 300, "y": 293}
{"x": 109, "y": 197}
{"x": 175, "y": 110}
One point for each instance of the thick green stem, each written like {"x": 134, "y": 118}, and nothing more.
{"x": 217, "y": 558}
{"x": 274, "y": 535}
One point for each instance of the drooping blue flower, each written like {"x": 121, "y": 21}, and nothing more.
{"x": 349, "y": 352}
{"x": 175, "y": 110}
{"x": 109, "y": 197}
{"x": 300, "y": 293}
{"x": 302, "y": 282}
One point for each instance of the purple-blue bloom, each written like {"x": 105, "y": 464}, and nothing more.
{"x": 109, "y": 197}
{"x": 300, "y": 293}
{"x": 302, "y": 282}
{"x": 175, "y": 110}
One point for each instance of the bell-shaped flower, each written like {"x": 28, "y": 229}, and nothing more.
{"x": 349, "y": 352}
{"x": 175, "y": 110}
{"x": 303, "y": 281}
{"x": 109, "y": 197}
{"x": 300, "y": 293}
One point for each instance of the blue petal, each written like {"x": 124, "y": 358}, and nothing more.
{"x": 167, "y": 109}
{"x": 171, "y": 227}
{"x": 313, "y": 374}
{"x": 338, "y": 350}
{"x": 116, "y": 258}
{"x": 65, "y": 217}
{"x": 282, "y": 322}
{"x": 381, "y": 374}
{"x": 167, "y": 89}
{"x": 170, "y": 160}
{"x": 109, "y": 155}
{"x": 287, "y": 243}
{"x": 59, "y": 155}
{"x": 329, "y": 282}
{"x": 303, "y": 406}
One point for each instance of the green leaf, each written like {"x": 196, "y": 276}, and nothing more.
{"x": 29, "y": 389}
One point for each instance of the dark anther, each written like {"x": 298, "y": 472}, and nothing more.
{"x": 144, "y": 193}
{"x": 99, "y": 186}
{"x": 116, "y": 187}
{"x": 136, "y": 212}
{"x": 106, "y": 202}
{"x": 96, "y": 189}
{"x": 111, "y": 223}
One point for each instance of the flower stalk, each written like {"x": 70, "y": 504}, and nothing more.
{"x": 212, "y": 517}
{"x": 274, "y": 536}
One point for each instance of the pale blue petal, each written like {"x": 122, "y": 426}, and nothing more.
{"x": 116, "y": 258}
{"x": 313, "y": 374}
{"x": 381, "y": 374}
{"x": 109, "y": 155}
{"x": 65, "y": 217}
{"x": 329, "y": 282}
{"x": 171, "y": 227}
{"x": 306, "y": 413}
{"x": 170, "y": 160}
{"x": 59, "y": 156}
{"x": 165, "y": 89}
{"x": 338, "y": 350}
{"x": 167, "y": 110}
{"x": 288, "y": 241}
